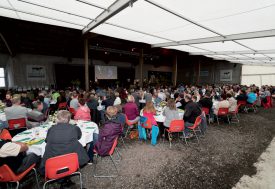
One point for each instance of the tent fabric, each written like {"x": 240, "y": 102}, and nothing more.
{"x": 171, "y": 21}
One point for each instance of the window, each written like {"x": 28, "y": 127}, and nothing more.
{"x": 2, "y": 77}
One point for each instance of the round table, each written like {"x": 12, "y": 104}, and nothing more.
{"x": 36, "y": 136}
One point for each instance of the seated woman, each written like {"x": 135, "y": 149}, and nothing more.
{"x": 170, "y": 112}
{"x": 224, "y": 103}
{"x": 62, "y": 138}
{"x": 149, "y": 111}
{"x": 131, "y": 110}
{"x": 83, "y": 112}
{"x": 232, "y": 102}
{"x": 112, "y": 128}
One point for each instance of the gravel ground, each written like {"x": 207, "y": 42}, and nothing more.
{"x": 224, "y": 155}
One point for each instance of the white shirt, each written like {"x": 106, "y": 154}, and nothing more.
{"x": 117, "y": 101}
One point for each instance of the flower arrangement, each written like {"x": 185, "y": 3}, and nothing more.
{"x": 2, "y": 106}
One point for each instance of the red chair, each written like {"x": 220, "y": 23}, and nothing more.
{"x": 5, "y": 135}
{"x": 252, "y": 106}
{"x": 62, "y": 106}
{"x": 7, "y": 175}
{"x": 195, "y": 128}
{"x": 130, "y": 125}
{"x": 72, "y": 110}
{"x": 17, "y": 123}
{"x": 223, "y": 112}
{"x": 235, "y": 115}
{"x": 269, "y": 101}
{"x": 243, "y": 104}
{"x": 176, "y": 126}
{"x": 147, "y": 124}
{"x": 110, "y": 154}
{"x": 61, "y": 166}
{"x": 207, "y": 114}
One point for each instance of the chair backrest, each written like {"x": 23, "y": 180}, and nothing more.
{"x": 206, "y": 110}
{"x": 242, "y": 102}
{"x": 5, "y": 135}
{"x": 197, "y": 123}
{"x": 113, "y": 147}
{"x": 72, "y": 110}
{"x": 17, "y": 123}
{"x": 145, "y": 123}
{"x": 6, "y": 174}
{"x": 223, "y": 111}
{"x": 176, "y": 126}
{"x": 62, "y": 105}
{"x": 61, "y": 166}
{"x": 237, "y": 108}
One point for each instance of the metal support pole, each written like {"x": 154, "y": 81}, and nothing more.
{"x": 86, "y": 61}
{"x": 175, "y": 70}
{"x": 141, "y": 62}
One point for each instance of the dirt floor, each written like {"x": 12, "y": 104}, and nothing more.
{"x": 223, "y": 156}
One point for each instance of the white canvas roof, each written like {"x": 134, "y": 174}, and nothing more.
{"x": 237, "y": 31}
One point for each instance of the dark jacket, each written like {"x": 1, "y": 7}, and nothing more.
{"x": 111, "y": 130}
{"x": 206, "y": 103}
{"x": 192, "y": 111}
{"x": 63, "y": 139}
{"x": 241, "y": 97}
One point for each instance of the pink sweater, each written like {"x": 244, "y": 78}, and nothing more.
{"x": 83, "y": 113}
{"x": 150, "y": 116}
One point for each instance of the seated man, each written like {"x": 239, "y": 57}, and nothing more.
{"x": 192, "y": 111}
{"x": 62, "y": 138}
{"x": 16, "y": 111}
{"x": 13, "y": 154}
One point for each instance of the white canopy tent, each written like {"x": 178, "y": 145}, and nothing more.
{"x": 237, "y": 31}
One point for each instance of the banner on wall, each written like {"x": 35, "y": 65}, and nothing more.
{"x": 36, "y": 72}
{"x": 226, "y": 75}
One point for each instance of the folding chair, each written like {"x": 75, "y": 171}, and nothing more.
{"x": 176, "y": 126}
{"x": 235, "y": 115}
{"x": 110, "y": 154}
{"x": 243, "y": 104}
{"x": 195, "y": 128}
{"x": 252, "y": 106}
{"x": 17, "y": 123}
{"x": 222, "y": 112}
{"x": 8, "y": 176}
{"x": 62, "y": 106}
{"x": 207, "y": 114}
{"x": 130, "y": 125}
{"x": 62, "y": 166}
{"x": 5, "y": 135}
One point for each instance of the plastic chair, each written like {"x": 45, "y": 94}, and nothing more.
{"x": 243, "y": 104}
{"x": 62, "y": 166}
{"x": 176, "y": 126}
{"x": 130, "y": 125}
{"x": 252, "y": 106}
{"x": 5, "y": 135}
{"x": 17, "y": 123}
{"x": 7, "y": 175}
{"x": 72, "y": 110}
{"x": 269, "y": 101}
{"x": 145, "y": 122}
{"x": 195, "y": 128}
{"x": 222, "y": 112}
{"x": 110, "y": 154}
{"x": 207, "y": 114}
{"x": 62, "y": 106}
{"x": 235, "y": 115}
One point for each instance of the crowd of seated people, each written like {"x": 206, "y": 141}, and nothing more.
{"x": 120, "y": 104}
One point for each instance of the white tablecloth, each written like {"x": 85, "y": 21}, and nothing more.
{"x": 159, "y": 117}
{"x": 40, "y": 132}
{"x": 3, "y": 116}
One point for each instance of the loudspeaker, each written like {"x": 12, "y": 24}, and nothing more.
{"x": 235, "y": 65}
